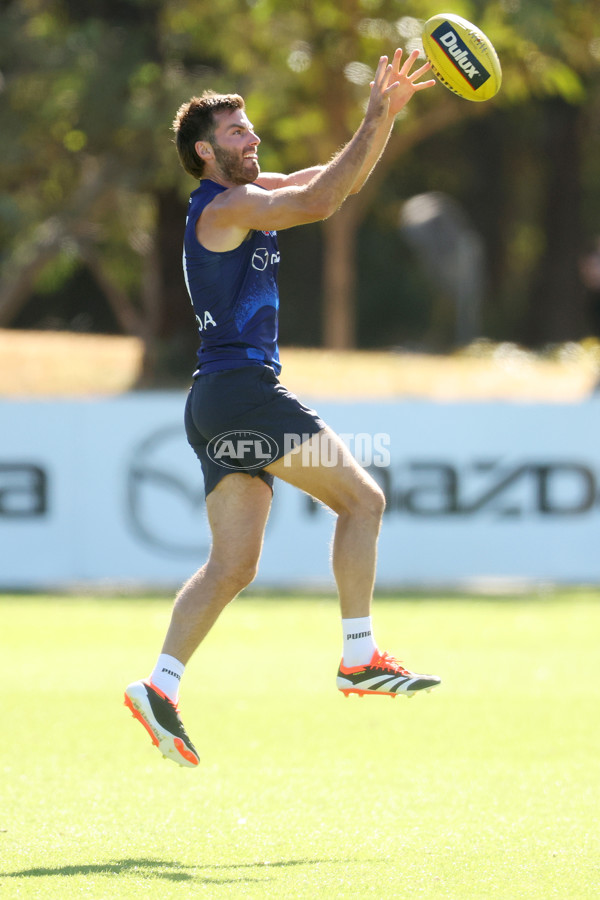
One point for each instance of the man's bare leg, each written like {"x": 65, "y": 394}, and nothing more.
{"x": 326, "y": 470}
{"x": 238, "y": 509}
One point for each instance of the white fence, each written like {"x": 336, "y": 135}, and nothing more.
{"x": 107, "y": 492}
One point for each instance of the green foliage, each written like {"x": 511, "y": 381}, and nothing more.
{"x": 95, "y": 84}
{"x": 57, "y": 271}
{"x": 85, "y": 82}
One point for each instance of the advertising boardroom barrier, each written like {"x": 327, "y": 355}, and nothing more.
{"x": 107, "y": 492}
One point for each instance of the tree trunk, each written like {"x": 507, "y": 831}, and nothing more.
{"x": 177, "y": 326}
{"x": 22, "y": 268}
{"x": 339, "y": 280}
{"x": 557, "y": 299}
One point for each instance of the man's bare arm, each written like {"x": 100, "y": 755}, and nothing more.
{"x": 274, "y": 180}
{"x": 227, "y": 219}
{"x": 407, "y": 87}
{"x": 313, "y": 194}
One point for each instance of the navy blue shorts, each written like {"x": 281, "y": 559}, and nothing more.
{"x": 240, "y": 420}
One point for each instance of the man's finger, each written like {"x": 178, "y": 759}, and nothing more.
{"x": 409, "y": 62}
{"x": 425, "y": 68}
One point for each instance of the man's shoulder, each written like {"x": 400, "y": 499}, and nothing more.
{"x": 207, "y": 188}
{"x": 203, "y": 195}
{"x": 211, "y": 190}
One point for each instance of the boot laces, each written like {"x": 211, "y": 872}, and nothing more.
{"x": 387, "y": 661}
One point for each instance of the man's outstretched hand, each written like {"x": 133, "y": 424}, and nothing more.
{"x": 395, "y": 84}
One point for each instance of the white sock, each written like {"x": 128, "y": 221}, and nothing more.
{"x": 167, "y": 674}
{"x": 359, "y": 644}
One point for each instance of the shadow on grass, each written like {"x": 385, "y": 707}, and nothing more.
{"x": 171, "y": 871}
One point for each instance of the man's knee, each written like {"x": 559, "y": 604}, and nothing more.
{"x": 373, "y": 501}
{"x": 235, "y": 574}
{"x": 366, "y": 500}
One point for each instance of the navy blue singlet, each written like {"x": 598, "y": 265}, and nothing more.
{"x": 234, "y": 294}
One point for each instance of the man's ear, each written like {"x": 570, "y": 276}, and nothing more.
{"x": 204, "y": 150}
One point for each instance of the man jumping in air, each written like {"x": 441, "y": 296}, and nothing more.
{"x": 230, "y": 265}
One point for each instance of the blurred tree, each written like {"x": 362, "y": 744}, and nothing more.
{"x": 558, "y": 135}
{"x": 71, "y": 128}
{"x": 90, "y": 174}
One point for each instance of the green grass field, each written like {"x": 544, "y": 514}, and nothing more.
{"x": 487, "y": 787}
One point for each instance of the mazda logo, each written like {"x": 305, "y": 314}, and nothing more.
{"x": 165, "y": 494}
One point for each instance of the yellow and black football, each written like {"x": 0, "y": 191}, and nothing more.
{"x": 462, "y": 58}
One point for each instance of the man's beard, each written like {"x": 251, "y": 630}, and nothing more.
{"x": 232, "y": 167}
